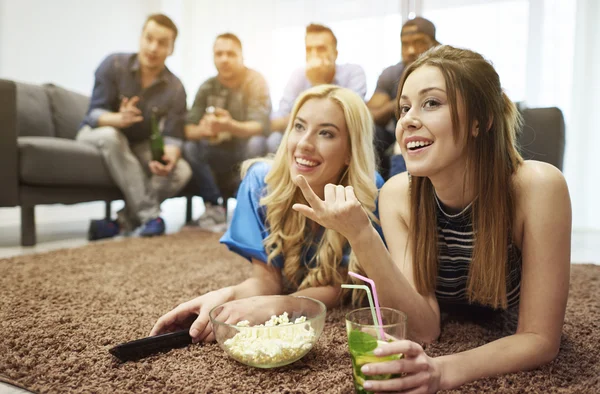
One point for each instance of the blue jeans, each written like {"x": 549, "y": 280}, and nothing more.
{"x": 212, "y": 162}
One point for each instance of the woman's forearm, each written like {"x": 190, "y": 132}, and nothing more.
{"x": 518, "y": 352}
{"x": 252, "y": 287}
{"x": 393, "y": 288}
{"x": 329, "y": 295}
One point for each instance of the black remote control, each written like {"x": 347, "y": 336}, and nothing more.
{"x": 144, "y": 347}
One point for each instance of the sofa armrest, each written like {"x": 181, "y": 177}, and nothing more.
{"x": 9, "y": 165}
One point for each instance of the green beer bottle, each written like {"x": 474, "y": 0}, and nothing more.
{"x": 157, "y": 145}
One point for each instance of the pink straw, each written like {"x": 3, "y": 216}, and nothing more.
{"x": 377, "y": 309}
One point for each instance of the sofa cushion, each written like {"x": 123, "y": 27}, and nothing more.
{"x": 543, "y": 135}
{"x": 68, "y": 110}
{"x": 61, "y": 162}
{"x": 34, "y": 117}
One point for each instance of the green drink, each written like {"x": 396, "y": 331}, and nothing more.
{"x": 364, "y": 337}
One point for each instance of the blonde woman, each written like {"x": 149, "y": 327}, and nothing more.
{"x": 329, "y": 141}
{"x": 472, "y": 227}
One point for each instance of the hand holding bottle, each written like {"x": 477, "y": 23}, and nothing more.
{"x": 169, "y": 159}
{"x": 217, "y": 122}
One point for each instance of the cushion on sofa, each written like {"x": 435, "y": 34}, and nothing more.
{"x": 68, "y": 110}
{"x": 33, "y": 111}
{"x": 61, "y": 162}
{"x": 543, "y": 135}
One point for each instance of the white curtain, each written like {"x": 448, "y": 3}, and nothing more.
{"x": 583, "y": 136}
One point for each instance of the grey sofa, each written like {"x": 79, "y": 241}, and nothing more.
{"x": 40, "y": 162}
{"x": 543, "y": 135}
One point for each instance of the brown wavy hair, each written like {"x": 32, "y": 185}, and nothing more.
{"x": 492, "y": 159}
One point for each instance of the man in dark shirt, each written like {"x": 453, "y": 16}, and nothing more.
{"x": 129, "y": 89}
{"x": 226, "y": 125}
{"x": 417, "y": 36}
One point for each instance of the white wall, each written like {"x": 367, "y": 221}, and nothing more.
{"x": 63, "y": 41}
{"x": 583, "y": 135}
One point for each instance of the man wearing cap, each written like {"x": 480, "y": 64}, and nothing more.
{"x": 417, "y": 36}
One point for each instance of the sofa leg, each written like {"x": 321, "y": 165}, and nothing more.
{"x": 107, "y": 210}
{"x": 28, "y": 225}
{"x": 188, "y": 209}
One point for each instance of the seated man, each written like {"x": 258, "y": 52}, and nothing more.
{"x": 321, "y": 55}
{"x": 417, "y": 36}
{"x": 225, "y": 126}
{"x": 129, "y": 91}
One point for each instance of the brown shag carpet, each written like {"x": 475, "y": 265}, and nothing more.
{"x": 61, "y": 311}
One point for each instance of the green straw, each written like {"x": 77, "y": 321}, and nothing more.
{"x": 365, "y": 288}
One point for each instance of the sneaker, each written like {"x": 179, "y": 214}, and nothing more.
{"x": 103, "y": 228}
{"x": 214, "y": 217}
{"x": 153, "y": 227}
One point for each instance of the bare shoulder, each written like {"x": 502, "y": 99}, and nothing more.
{"x": 541, "y": 193}
{"x": 535, "y": 177}
{"x": 394, "y": 196}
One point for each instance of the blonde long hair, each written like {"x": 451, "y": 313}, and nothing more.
{"x": 492, "y": 159}
{"x": 288, "y": 228}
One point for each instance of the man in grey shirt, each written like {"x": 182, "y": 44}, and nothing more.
{"x": 226, "y": 125}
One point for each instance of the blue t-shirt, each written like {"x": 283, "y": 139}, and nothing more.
{"x": 248, "y": 228}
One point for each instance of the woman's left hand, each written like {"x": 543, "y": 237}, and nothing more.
{"x": 340, "y": 210}
{"x": 422, "y": 374}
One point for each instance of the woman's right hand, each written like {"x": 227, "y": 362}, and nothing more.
{"x": 340, "y": 210}
{"x": 195, "y": 311}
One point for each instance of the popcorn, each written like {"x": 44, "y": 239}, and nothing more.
{"x": 271, "y": 342}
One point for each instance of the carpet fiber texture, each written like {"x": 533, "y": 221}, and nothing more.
{"x": 61, "y": 311}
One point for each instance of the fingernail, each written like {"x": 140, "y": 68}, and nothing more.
{"x": 194, "y": 332}
{"x": 365, "y": 369}
{"x": 367, "y": 385}
{"x": 377, "y": 352}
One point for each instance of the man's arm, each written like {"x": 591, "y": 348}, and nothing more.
{"x": 176, "y": 118}
{"x": 243, "y": 129}
{"x": 280, "y": 123}
{"x": 356, "y": 80}
{"x": 258, "y": 111}
{"x": 382, "y": 108}
{"x": 291, "y": 92}
{"x": 104, "y": 103}
{"x": 382, "y": 105}
{"x": 192, "y": 128}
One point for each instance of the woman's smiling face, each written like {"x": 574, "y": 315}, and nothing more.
{"x": 319, "y": 144}
{"x": 425, "y": 130}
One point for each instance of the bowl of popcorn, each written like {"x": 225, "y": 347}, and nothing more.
{"x": 268, "y": 331}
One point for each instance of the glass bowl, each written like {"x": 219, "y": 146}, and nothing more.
{"x": 268, "y": 331}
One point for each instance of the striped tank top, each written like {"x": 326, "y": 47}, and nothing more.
{"x": 455, "y": 248}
